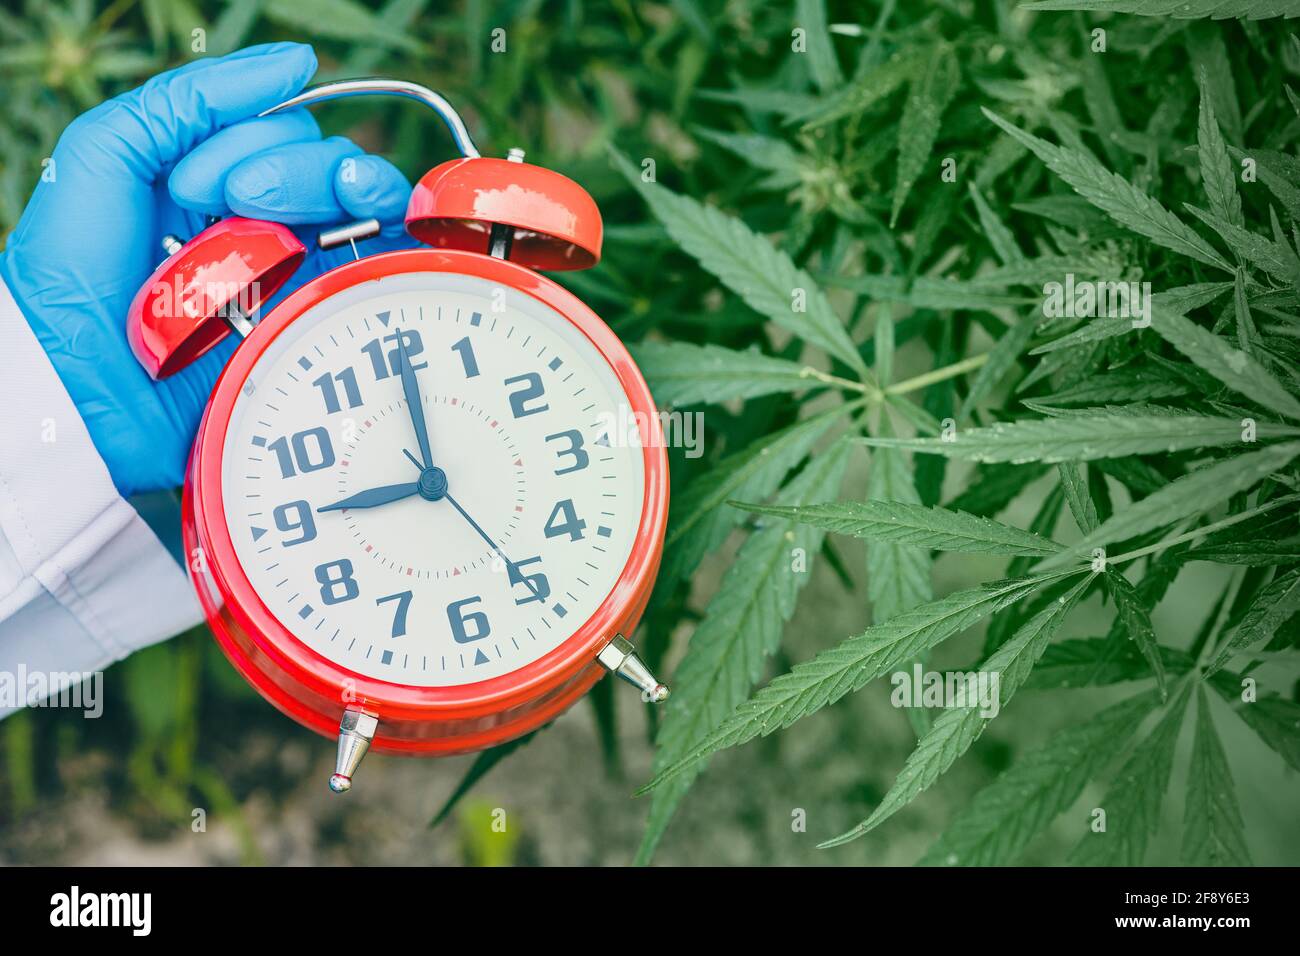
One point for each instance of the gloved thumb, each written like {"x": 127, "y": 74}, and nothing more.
{"x": 154, "y": 125}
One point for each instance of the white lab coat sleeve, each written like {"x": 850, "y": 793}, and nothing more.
{"x": 84, "y": 581}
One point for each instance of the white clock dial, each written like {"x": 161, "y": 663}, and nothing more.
{"x": 527, "y": 423}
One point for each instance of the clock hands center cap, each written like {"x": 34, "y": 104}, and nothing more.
{"x": 432, "y": 484}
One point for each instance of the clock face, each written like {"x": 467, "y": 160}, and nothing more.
{"x": 463, "y": 568}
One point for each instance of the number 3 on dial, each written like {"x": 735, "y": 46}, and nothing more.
{"x": 580, "y": 458}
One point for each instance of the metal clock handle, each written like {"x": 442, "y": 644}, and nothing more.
{"x": 381, "y": 86}
{"x": 352, "y": 232}
{"x": 377, "y": 86}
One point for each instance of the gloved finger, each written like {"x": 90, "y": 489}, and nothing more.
{"x": 153, "y": 126}
{"x": 291, "y": 184}
{"x": 243, "y": 53}
{"x": 199, "y": 180}
{"x": 370, "y": 187}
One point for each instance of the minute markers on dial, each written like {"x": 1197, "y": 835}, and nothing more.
{"x": 448, "y": 556}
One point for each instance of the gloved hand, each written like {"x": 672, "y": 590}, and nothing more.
{"x": 155, "y": 161}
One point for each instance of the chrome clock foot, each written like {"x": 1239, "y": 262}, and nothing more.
{"x": 621, "y": 658}
{"x": 356, "y": 730}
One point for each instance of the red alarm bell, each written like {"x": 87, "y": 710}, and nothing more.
{"x": 428, "y": 495}
{"x": 227, "y": 272}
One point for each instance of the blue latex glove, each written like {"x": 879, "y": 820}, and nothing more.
{"x": 152, "y": 162}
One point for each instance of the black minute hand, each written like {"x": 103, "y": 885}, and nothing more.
{"x": 478, "y": 529}
{"x": 514, "y": 568}
{"x": 411, "y": 388}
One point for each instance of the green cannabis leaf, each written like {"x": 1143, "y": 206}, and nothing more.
{"x": 832, "y": 674}
{"x": 1116, "y": 197}
{"x": 1129, "y": 813}
{"x": 938, "y": 529}
{"x": 1001, "y": 820}
{"x": 740, "y": 628}
{"x": 751, "y": 266}
{"x": 1111, "y": 435}
{"x": 932, "y": 89}
{"x": 1134, "y": 616}
{"x": 898, "y": 573}
{"x": 1187, "y": 497}
{"x": 1217, "y": 173}
{"x": 1272, "y": 717}
{"x": 1182, "y": 9}
{"x": 1234, "y": 368}
{"x": 699, "y": 522}
{"x": 959, "y": 727}
{"x": 680, "y": 373}
{"x": 1272, "y": 607}
{"x": 1213, "y": 831}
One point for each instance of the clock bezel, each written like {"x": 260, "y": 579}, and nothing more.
{"x": 313, "y": 689}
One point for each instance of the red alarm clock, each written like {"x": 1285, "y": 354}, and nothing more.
{"x": 428, "y": 494}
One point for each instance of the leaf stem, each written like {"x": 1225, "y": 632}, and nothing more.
{"x": 110, "y": 15}
{"x": 937, "y": 375}
{"x": 1198, "y": 532}
{"x": 809, "y": 372}
{"x": 877, "y": 394}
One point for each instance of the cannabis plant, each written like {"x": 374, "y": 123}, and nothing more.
{"x": 1135, "y": 266}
